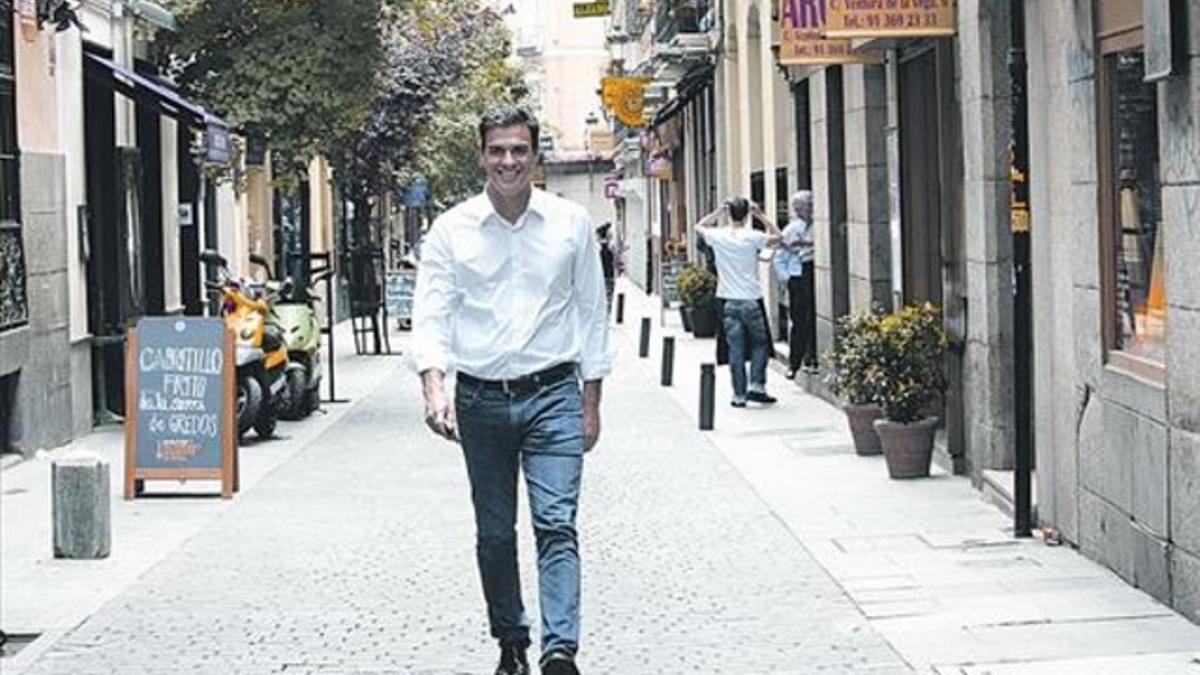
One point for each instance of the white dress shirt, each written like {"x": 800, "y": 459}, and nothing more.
{"x": 499, "y": 300}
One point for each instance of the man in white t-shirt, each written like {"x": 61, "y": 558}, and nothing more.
{"x": 736, "y": 247}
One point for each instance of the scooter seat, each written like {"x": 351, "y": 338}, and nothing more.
{"x": 272, "y": 338}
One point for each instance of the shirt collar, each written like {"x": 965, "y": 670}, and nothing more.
{"x": 485, "y": 212}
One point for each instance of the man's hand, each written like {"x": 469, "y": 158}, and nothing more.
{"x": 591, "y": 414}
{"x": 439, "y": 412}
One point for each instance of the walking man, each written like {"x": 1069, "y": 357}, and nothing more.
{"x": 794, "y": 266}
{"x": 743, "y": 317}
{"x": 510, "y": 295}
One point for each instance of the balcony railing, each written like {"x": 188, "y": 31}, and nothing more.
{"x": 672, "y": 17}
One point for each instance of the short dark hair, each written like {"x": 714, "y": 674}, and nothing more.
{"x": 738, "y": 208}
{"x": 507, "y": 116}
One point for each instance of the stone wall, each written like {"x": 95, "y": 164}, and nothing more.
{"x": 867, "y": 230}
{"x": 44, "y": 414}
{"x": 1118, "y": 455}
{"x": 985, "y": 263}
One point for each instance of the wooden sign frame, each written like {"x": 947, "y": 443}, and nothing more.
{"x": 229, "y": 471}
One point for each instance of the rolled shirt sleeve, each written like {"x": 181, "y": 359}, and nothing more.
{"x": 433, "y": 303}
{"x": 591, "y": 305}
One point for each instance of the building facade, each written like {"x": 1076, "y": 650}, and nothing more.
{"x": 1117, "y": 299}
{"x": 105, "y": 208}
{"x": 1029, "y": 168}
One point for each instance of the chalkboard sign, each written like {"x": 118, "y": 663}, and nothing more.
{"x": 179, "y": 391}
{"x": 399, "y": 293}
{"x": 670, "y": 286}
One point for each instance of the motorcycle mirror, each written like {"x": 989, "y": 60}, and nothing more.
{"x": 261, "y": 262}
{"x": 211, "y": 257}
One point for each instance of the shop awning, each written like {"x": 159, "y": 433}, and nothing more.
{"x": 689, "y": 85}
{"x": 133, "y": 84}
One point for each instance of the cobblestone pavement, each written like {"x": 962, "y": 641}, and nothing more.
{"x": 357, "y": 556}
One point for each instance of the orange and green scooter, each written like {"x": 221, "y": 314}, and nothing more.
{"x": 261, "y": 355}
{"x": 297, "y": 322}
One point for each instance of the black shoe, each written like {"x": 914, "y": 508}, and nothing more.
{"x": 559, "y": 663}
{"x": 760, "y": 397}
{"x": 791, "y": 373}
{"x": 737, "y": 404}
{"x": 513, "y": 660}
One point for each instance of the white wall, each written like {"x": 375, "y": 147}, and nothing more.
{"x": 70, "y": 125}
{"x": 590, "y": 194}
{"x": 172, "y": 284}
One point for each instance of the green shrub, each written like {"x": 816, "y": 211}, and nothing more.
{"x": 697, "y": 286}
{"x": 912, "y": 345}
{"x": 856, "y": 360}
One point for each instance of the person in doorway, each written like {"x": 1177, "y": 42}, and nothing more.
{"x": 607, "y": 260}
{"x": 794, "y": 267}
{"x": 743, "y": 317}
{"x": 510, "y": 295}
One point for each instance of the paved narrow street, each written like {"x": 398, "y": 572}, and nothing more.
{"x": 357, "y": 557}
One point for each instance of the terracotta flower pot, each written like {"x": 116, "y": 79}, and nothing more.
{"x": 862, "y": 417}
{"x": 908, "y": 448}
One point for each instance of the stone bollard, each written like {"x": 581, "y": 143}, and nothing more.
{"x": 82, "y": 511}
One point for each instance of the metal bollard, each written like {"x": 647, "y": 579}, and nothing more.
{"x": 708, "y": 383}
{"x": 620, "y": 308}
{"x": 644, "y": 345}
{"x": 668, "y": 360}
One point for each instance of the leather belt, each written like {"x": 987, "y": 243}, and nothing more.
{"x": 525, "y": 384}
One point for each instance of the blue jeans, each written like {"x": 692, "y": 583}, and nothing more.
{"x": 743, "y": 322}
{"x": 542, "y": 434}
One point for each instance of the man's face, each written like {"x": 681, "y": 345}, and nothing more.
{"x": 508, "y": 158}
{"x": 802, "y": 208}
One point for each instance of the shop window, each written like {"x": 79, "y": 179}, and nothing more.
{"x": 1132, "y": 266}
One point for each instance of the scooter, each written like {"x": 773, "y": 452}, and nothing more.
{"x": 297, "y": 321}
{"x": 261, "y": 356}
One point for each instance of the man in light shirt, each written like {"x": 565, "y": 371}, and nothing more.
{"x": 794, "y": 267}
{"x": 743, "y": 318}
{"x": 510, "y": 296}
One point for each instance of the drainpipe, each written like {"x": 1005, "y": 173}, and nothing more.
{"x": 1022, "y": 307}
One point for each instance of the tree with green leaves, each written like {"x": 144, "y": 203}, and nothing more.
{"x": 444, "y": 63}
{"x": 302, "y": 72}
{"x": 448, "y": 146}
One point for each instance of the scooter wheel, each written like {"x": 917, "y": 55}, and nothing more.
{"x": 296, "y": 403}
{"x": 264, "y": 426}
{"x": 249, "y": 402}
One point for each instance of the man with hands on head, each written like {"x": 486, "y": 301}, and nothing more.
{"x": 743, "y": 319}
{"x": 510, "y": 295}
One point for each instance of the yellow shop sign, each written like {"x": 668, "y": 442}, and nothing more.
{"x": 889, "y": 18}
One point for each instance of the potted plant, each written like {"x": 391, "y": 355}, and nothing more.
{"x": 913, "y": 344}
{"x": 855, "y": 374}
{"x": 698, "y": 291}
